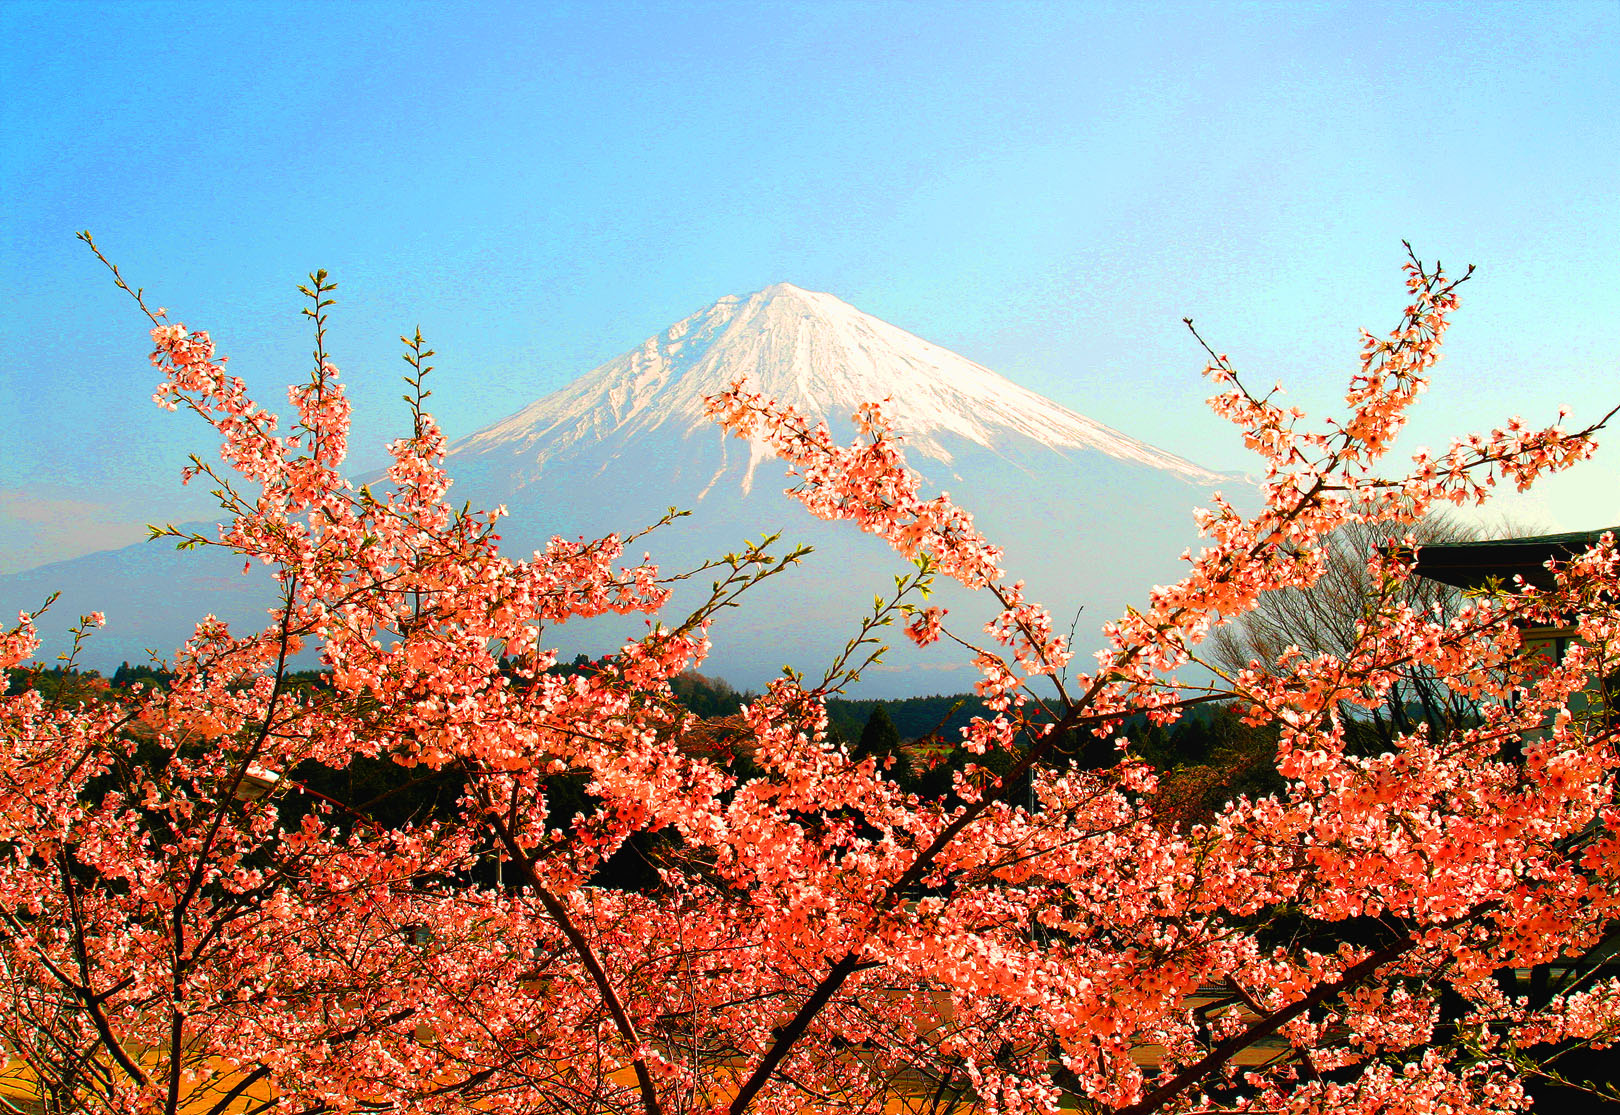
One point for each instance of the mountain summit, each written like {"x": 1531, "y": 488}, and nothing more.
{"x": 819, "y": 354}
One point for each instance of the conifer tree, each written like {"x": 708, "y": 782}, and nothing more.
{"x": 879, "y": 738}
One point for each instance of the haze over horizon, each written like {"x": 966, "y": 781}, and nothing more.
{"x": 1045, "y": 189}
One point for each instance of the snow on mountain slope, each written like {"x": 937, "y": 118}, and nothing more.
{"x": 821, "y": 355}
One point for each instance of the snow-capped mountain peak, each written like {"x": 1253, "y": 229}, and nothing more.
{"x": 818, "y": 353}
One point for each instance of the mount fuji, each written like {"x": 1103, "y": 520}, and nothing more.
{"x": 1088, "y": 516}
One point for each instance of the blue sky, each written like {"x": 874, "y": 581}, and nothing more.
{"x": 1045, "y": 188}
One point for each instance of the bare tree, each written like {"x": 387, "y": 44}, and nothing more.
{"x": 1326, "y": 619}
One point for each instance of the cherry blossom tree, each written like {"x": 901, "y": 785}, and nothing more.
{"x": 185, "y": 924}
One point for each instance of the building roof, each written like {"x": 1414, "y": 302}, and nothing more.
{"x": 1472, "y": 565}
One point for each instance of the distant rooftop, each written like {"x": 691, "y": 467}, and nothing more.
{"x": 1472, "y": 565}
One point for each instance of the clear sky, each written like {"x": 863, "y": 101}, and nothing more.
{"x": 1045, "y": 188}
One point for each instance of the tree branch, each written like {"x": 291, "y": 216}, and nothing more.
{"x": 1264, "y": 1027}
{"x": 587, "y": 957}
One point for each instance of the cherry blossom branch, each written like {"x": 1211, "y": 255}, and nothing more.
{"x": 1271, "y": 1023}
{"x": 83, "y": 992}
{"x": 587, "y": 957}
